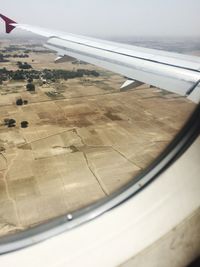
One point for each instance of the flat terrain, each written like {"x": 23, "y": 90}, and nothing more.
{"x": 83, "y": 142}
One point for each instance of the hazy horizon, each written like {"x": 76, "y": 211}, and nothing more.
{"x": 155, "y": 18}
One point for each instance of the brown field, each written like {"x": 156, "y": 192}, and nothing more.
{"x": 80, "y": 146}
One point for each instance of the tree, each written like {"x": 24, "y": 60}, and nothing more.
{"x": 10, "y": 122}
{"x": 18, "y": 76}
{"x": 19, "y": 102}
{"x": 30, "y": 80}
{"x": 24, "y": 65}
{"x": 24, "y": 124}
{"x": 30, "y": 87}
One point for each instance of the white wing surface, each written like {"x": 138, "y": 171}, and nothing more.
{"x": 173, "y": 72}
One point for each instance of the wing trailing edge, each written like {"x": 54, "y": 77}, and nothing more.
{"x": 173, "y": 72}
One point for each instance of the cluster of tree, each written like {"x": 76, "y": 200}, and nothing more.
{"x": 18, "y": 74}
{"x": 15, "y": 55}
{"x": 24, "y": 65}
{"x": 49, "y": 75}
{"x": 4, "y": 71}
{"x": 11, "y": 48}
{"x": 20, "y": 102}
{"x": 12, "y": 123}
{"x": 3, "y": 75}
{"x": 45, "y": 51}
{"x": 65, "y": 74}
{"x": 2, "y": 58}
{"x": 36, "y": 48}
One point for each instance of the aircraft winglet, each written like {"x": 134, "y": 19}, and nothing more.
{"x": 8, "y": 23}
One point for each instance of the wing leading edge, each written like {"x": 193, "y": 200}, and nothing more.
{"x": 173, "y": 72}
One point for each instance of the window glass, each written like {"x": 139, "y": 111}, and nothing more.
{"x": 69, "y": 137}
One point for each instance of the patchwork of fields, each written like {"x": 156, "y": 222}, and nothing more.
{"x": 85, "y": 139}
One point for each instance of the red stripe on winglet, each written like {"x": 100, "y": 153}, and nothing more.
{"x": 8, "y": 21}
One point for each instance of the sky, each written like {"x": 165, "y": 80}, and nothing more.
{"x": 109, "y": 18}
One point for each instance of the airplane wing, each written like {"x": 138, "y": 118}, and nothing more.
{"x": 173, "y": 72}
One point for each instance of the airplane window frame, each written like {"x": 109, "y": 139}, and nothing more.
{"x": 174, "y": 150}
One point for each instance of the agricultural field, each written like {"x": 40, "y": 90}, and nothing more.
{"x": 84, "y": 138}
